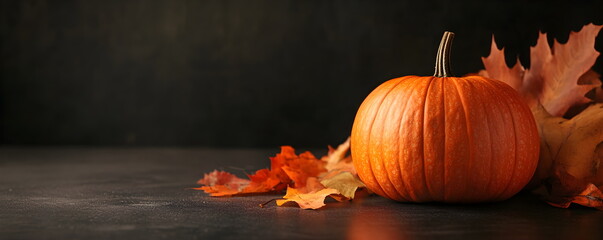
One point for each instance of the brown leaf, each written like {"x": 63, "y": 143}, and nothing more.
{"x": 558, "y": 71}
{"x": 569, "y": 144}
{"x": 552, "y": 79}
{"x": 570, "y": 153}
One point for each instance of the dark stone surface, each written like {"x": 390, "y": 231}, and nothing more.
{"x": 63, "y": 193}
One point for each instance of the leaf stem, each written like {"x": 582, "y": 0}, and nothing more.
{"x": 262, "y": 205}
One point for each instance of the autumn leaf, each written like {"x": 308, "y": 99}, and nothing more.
{"x": 565, "y": 189}
{"x": 219, "y": 183}
{"x": 286, "y": 168}
{"x": 265, "y": 180}
{"x": 591, "y": 197}
{"x": 571, "y": 149}
{"x": 345, "y": 183}
{"x": 223, "y": 178}
{"x": 308, "y": 180}
{"x": 336, "y": 156}
{"x": 337, "y": 160}
{"x": 552, "y": 79}
{"x": 340, "y": 183}
{"x": 569, "y": 144}
{"x": 309, "y": 200}
{"x": 304, "y": 166}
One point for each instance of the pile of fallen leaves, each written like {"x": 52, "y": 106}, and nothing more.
{"x": 565, "y": 96}
{"x": 308, "y": 180}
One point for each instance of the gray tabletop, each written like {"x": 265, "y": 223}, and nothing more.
{"x": 109, "y": 193}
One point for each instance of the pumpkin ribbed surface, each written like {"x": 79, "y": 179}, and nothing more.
{"x": 445, "y": 139}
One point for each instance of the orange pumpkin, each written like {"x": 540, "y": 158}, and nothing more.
{"x": 444, "y": 138}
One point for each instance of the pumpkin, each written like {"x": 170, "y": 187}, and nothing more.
{"x": 444, "y": 139}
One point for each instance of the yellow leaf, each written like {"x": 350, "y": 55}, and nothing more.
{"x": 345, "y": 183}
{"x": 311, "y": 200}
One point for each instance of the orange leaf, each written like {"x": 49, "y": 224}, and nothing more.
{"x": 304, "y": 166}
{"x": 565, "y": 189}
{"x": 223, "y": 178}
{"x": 301, "y": 174}
{"x": 263, "y": 181}
{"x": 277, "y": 162}
{"x": 220, "y": 183}
{"x": 287, "y": 168}
{"x": 219, "y": 190}
{"x": 590, "y": 197}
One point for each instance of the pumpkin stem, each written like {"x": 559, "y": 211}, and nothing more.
{"x": 442, "y": 67}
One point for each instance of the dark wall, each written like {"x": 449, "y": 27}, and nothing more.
{"x": 236, "y": 73}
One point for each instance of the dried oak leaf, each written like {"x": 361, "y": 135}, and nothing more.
{"x": 559, "y": 78}
{"x": 552, "y": 79}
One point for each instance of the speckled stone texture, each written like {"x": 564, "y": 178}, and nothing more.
{"x": 120, "y": 193}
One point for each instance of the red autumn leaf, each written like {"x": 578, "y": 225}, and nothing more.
{"x": 303, "y": 167}
{"x": 263, "y": 181}
{"x": 287, "y": 169}
{"x": 571, "y": 149}
{"x": 223, "y": 178}
{"x": 219, "y": 190}
{"x": 304, "y": 176}
{"x": 219, "y": 183}
{"x": 281, "y": 159}
{"x": 340, "y": 183}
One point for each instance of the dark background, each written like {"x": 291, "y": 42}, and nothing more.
{"x": 236, "y": 73}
